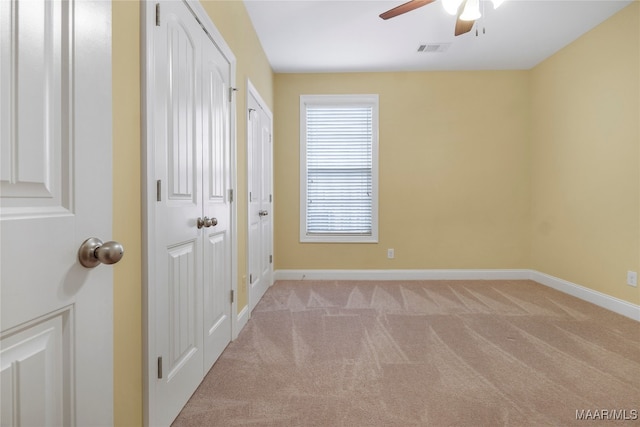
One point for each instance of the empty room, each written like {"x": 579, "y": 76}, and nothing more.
{"x": 320, "y": 213}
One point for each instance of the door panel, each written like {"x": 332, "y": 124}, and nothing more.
{"x": 215, "y": 123}
{"x": 184, "y": 332}
{"x": 260, "y": 199}
{"x": 217, "y": 316}
{"x": 33, "y": 387}
{"x": 266, "y": 224}
{"x": 55, "y": 178}
{"x": 257, "y": 286}
{"x": 178, "y": 240}
{"x": 216, "y": 182}
{"x": 255, "y": 203}
{"x": 181, "y": 112}
{"x": 32, "y": 168}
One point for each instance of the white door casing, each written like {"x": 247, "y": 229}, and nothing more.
{"x": 190, "y": 269}
{"x": 260, "y": 215}
{"x": 56, "y": 347}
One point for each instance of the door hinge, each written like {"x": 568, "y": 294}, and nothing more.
{"x": 231, "y": 90}
{"x": 249, "y": 195}
{"x": 270, "y": 198}
{"x": 233, "y": 296}
{"x": 231, "y": 195}
{"x": 160, "y": 367}
{"x": 157, "y": 14}
{"x": 270, "y": 259}
{"x": 159, "y": 190}
{"x": 250, "y": 278}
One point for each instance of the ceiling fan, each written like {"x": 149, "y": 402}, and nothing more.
{"x": 467, "y": 11}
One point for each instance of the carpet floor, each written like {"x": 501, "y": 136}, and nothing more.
{"x": 423, "y": 353}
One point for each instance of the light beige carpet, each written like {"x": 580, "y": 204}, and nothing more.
{"x": 433, "y": 353}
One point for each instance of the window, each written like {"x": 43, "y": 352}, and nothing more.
{"x": 338, "y": 168}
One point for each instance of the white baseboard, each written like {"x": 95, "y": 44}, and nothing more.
{"x": 401, "y": 274}
{"x": 241, "y": 321}
{"x": 608, "y": 302}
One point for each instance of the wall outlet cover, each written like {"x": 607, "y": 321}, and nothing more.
{"x": 632, "y": 278}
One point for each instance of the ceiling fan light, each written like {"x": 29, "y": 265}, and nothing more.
{"x": 471, "y": 11}
{"x": 452, "y": 6}
{"x": 497, "y": 3}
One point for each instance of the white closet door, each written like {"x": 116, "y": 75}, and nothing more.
{"x": 260, "y": 198}
{"x": 192, "y": 233}
{"x": 216, "y": 200}
{"x": 178, "y": 240}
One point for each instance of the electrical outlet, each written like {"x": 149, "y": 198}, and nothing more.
{"x": 391, "y": 253}
{"x": 632, "y": 278}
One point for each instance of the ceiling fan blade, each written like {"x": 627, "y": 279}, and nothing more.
{"x": 462, "y": 27}
{"x": 404, "y": 8}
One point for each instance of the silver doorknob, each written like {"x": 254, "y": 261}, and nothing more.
{"x": 263, "y": 213}
{"x": 92, "y": 252}
{"x": 206, "y": 222}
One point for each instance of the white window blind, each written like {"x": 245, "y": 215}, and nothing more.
{"x": 340, "y": 147}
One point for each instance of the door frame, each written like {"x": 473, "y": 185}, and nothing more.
{"x": 147, "y": 25}
{"x": 252, "y": 92}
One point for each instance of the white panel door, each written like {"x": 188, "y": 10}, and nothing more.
{"x": 260, "y": 198}
{"x": 192, "y": 213}
{"x": 56, "y": 339}
{"x": 216, "y": 203}
{"x": 178, "y": 240}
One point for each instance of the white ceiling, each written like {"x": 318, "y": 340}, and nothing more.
{"x": 348, "y": 35}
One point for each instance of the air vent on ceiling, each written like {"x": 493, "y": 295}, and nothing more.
{"x": 433, "y": 47}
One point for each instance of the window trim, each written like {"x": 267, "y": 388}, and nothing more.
{"x": 368, "y": 99}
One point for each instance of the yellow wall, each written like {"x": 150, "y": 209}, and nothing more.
{"x": 127, "y": 286}
{"x": 231, "y": 19}
{"x": 454, "y": 171}
{"x": 585, "y": 158}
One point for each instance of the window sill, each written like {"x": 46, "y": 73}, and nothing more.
{"x": 338, "y": 239}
